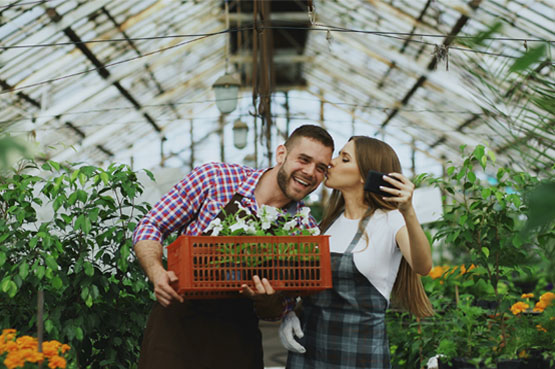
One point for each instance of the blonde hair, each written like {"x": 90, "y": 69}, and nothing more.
{"x": 370, "y": 153}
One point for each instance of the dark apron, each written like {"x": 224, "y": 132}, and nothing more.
{"x": 344, "y": 327}
{"x": 204, "y": 334}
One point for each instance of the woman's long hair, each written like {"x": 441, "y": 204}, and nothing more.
{"x": 370, "y": 153}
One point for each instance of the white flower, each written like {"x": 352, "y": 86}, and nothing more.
{"x": 241, "y": 224}
{"x": 290, "y": 225}
{"x": 314, "y": 231}
{"x": 251, "y": 227}
{"x": 268, "y": 213}
{"x": 215, "y": 226}
{"x": 304, "y": 213}
{"x": 241, "y": 207}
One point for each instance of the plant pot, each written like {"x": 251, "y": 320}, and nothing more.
{"x": 529, "y": 363}
{"x": 455, "y": 363}
{"x": 509, "y": 364}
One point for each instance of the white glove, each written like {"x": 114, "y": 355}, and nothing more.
{"x": 290, "y": 327}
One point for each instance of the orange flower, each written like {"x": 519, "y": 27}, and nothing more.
{"x": 519, "y": 307}
{"x": 547, "y": 297}
{"x": 57, "y": 362}
{"x": 540, "y": 306}
{"x": 65, "y": 348}
{"x": 14, "y": 360}
{"x": 527, "y": 295}
{"x": 438, "y": 271}
{"x": 27, "y": 342}
{"x": 50, "y": 348}
{"x": 540, "y": 328}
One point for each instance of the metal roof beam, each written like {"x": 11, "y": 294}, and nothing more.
{"x": 104, "y": 73}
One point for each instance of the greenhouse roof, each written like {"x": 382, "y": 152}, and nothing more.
{"x": 131, "y": 80}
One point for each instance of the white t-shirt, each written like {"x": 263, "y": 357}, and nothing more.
{"x": 380, "y": 260}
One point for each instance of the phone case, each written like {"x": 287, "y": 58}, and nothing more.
{"x": 373, "y": 182}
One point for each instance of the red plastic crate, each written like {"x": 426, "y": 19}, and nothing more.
{"x": 216, "y": 267}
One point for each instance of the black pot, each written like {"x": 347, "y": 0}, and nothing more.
{"x": 529, "y": 363}
{"x": 455, "y": 363}
{"x": 509, "y": 364}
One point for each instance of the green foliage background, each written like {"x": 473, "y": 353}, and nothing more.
{"x": 96, "y": 296}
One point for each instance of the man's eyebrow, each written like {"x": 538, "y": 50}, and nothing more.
{"x": 310, "y": 158}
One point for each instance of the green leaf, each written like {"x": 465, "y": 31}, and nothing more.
{"x": 5, "y": 285}
{"x": 89, "y": 270}
{"x": 485, "y": 251}
{"x": 105, "y": 178}
{"x": 51, "y": 262}
{"x": 532, "y": 56}
{"x": 491, "y": 155}
{"x": 39, "y": 271}
{"x": 79, "y": 333}
{"x": 48, "y": 325}
{"x": 54, "y": 164}
{"x": 23, "y": 270}
{"x": 89, "y": 301}
{"x": 483, "y": 161}
{"x": 3, "y": 258}
{"x": 85, "y": 293}
{"x": 74, "y": 175}
{"x": 57, "y": 283}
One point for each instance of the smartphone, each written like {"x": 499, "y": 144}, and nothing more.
{"x": 373, "y": 182}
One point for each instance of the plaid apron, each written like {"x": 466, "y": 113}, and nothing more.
{"x": 344, "y": 327}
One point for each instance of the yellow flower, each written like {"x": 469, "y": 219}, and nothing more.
{"x": 519, "y": 307}
{"x": 540, "y": 328}
{"x": 527, "y": 295}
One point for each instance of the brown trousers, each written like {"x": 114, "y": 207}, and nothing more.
{"x": 203, "y": 334}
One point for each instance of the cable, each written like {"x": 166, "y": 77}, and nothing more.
{"x": 125, "y": 39}
{"x": 106, "y": 65}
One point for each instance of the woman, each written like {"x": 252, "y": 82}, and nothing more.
{"x": 377, "y": 247}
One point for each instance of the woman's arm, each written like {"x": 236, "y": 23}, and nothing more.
{"x": 411, "y": 239}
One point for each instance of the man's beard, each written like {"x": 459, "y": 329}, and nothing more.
{"x": 283, "y": 181}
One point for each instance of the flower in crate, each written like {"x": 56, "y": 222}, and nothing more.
{"x": 268, "y": 221}
{"x": 23, "y": 352}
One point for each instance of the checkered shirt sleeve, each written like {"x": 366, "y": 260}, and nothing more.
{"x": 184, "y": 203}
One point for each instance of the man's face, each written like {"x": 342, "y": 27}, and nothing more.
{"x": 302, "y": 167}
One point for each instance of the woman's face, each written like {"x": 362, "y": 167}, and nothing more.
{"x": 343, "y": 173}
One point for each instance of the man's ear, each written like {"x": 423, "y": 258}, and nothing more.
{"x": 281, "y": 153}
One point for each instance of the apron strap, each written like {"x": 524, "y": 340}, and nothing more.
{"x": 357, "y": 236}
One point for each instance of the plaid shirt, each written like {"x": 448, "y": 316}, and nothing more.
{"x": 197, "y": 199}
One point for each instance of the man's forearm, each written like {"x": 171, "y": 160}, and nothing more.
{"x": 149, "y": 254}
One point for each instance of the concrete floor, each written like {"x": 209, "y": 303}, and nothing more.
{"x": 275, "y": 356}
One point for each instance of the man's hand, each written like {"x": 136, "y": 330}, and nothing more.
{"x": 267, "y": 303}
{"x": 290, "y": 327}
{"x": 261, "y": 288}
{"x": 164, "y": 292}
{"x": 149, "y": 254}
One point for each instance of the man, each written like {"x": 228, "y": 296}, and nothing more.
{"x": 215, "y": 334}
